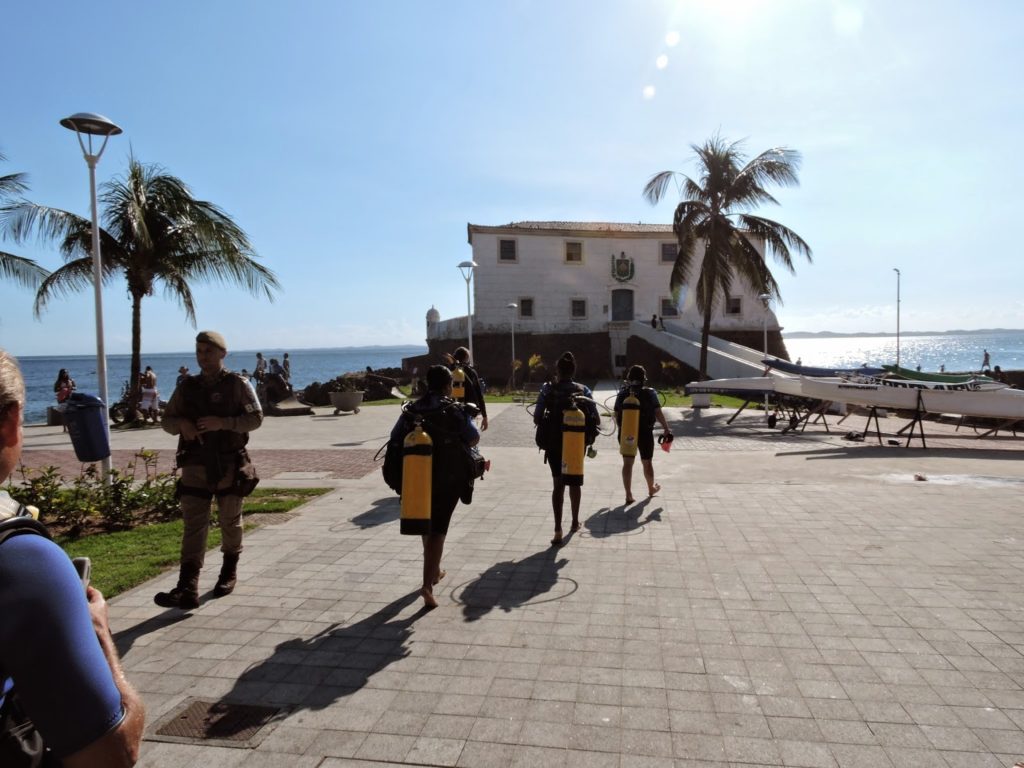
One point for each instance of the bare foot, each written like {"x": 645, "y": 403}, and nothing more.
{"x": 575, "y": 525}
{"x": 440, "y": 575}
{"x": 556, "y": 540}
{"x": 654, "y": 490}
{"x": 630, "y": 499}
{"x": 428, "y": 597}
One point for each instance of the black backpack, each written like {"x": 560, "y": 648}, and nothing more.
{"x": 557, "y": 399}
{"x": 454, "y": 463}
{"x": 21, "y": 745}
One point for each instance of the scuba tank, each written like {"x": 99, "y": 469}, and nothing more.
{"x": 459, "y": 384}
{"x": 574, "y": 424}
{"x": 417, "y": 467}
{"x": 629, "y": 430}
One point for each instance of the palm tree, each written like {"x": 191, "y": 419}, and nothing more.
{"x": 17, "y": 268}
{"x": 154, "y": 232}
{"x": 714, "y": 210}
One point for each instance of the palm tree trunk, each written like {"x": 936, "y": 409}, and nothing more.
{"x": 134, "y": 390}
{"x": 705, "y": 334}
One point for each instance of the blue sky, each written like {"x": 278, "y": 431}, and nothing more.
{"x": 354, "y": 141}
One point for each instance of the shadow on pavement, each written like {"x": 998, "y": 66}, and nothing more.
{"x": 125, "y": 639}
{"x": 384, "y": 511}
{"x": 511, "y": 584}
{"x": 335, "y": 663}
{"x": 614, "y": 520}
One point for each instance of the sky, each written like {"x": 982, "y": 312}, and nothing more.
{"x": 354, "y": 141}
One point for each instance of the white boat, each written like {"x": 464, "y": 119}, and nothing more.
{"x": 749, "y": 386}
{"x": 1004, "y": 403}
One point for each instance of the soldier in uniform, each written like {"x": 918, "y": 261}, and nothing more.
{"x": 212, "y": 413}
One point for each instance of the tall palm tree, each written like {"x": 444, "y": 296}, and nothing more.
{"x": 154, "y": 232}
{"x": 17, "y": 268}
{"x": 714, "y": 208}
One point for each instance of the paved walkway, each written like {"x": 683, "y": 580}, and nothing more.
{"x": 794, "y": 600}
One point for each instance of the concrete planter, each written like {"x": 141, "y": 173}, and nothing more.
{"x": 346, "y": 401}
{"x": 701, "y": 400}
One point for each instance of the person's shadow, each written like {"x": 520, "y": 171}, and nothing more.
{"x": 313, "y": 673}
{"x": 384, "y": 511}
{"x": 126, "y": 638}
{"x": 511, "y": 584}
{"x": 615, "y": 520}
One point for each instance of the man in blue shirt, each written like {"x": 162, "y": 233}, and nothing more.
{"x": 58, "y": 662}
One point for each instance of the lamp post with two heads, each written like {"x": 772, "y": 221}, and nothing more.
{"x": 89, "y": 125}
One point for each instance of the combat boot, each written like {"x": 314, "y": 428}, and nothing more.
{"x": 228, "y": 575}
{"x": 184, "y": 596}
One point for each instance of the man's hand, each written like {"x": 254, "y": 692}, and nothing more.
{"x": 210, "y": 424}
{"x": 189, "y": 430}
{"x": 483, "y": 424}
{"x": 98, "y": 611}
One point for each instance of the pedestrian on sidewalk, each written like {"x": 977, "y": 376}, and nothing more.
{"x": 212, "y": 413}
{"x": 452, "y": 432}
{"x": 553, "y": 400}
{"x": 650, "y": 411}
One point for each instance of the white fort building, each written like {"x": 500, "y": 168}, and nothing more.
{"x": 593, "y": 288}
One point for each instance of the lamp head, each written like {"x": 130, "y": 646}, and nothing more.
{"x": 90, "y": 123}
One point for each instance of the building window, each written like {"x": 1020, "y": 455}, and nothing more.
{"x": 669, "y": 308}
{"x": 525, "y": 307}
{"x": 579, "y": 307}
{"x": 574, "y": 253}
{"x": 669, "y": 251}
{"x": 734, "y": 305}
{"x": 507, "y": 252}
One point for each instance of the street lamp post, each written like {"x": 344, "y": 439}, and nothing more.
{"x": 513, "y": 306}
{"x": 894, "y": 269}
{"x": 467, "y": 267}
{"x": 90, "y": 125}
{"x": 765, "y": 298}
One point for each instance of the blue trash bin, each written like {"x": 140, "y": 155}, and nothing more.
{"x": 86, "y": 417}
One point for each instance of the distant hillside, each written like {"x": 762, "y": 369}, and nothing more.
{"x": 834, "y": 335}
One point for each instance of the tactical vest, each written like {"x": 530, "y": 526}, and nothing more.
{"x": 227, "y": 398}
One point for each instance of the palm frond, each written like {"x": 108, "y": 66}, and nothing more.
{"x": 73, "y": 277}
{"x": 655, "y": 187}
{"x": 23, "y": 271}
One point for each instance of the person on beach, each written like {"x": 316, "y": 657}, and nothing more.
{"x": 64, "y": 698}
{"x": 446, "y": 421}
{"x": 63, "y": 386}
{"x": 650, "y": 411}
{"x": 182, "y": 375}
{"x": 985, "y": 360}
{"x": 474, "y": 389}
{"x": 212, "y": 413}
{"x": 552, "y": 400}
{"x": 150, "y": 402}
{"x": 261, "y": 368}
{"x": 286, "y": 367}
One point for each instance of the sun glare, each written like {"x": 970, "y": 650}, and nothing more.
{"x": 672, "y": 39}
{"x": 661, "y": 62}
{"x": 648, "y": 91}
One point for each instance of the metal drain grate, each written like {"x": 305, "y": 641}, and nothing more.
{"x": 217, "y": 721}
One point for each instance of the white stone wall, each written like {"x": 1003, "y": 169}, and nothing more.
{"x": 542, "y": 273}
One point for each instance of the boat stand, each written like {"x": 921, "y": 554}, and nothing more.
{"x": 917, "y": 421}
{"x": 872, "y": 414}
{"x": 1010, "y": 424}
{"x": 817, "y": 411}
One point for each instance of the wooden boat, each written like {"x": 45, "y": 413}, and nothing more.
{"x": 807, "y": 370}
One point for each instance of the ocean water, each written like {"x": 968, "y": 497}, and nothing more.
{"x": 957, "y": 352}
{"x": 307, "y": 365}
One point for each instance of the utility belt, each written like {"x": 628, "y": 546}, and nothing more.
{"x": 218, "y": 465}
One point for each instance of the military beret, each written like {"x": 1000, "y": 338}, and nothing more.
{"x": 214, "y": 338}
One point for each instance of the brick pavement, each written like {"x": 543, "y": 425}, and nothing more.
{"x": 783, "y": 602}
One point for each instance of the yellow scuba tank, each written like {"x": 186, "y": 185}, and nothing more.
{"x": 459, "y": 384}
{"x": 629, "y": 430}
{"x": 417, "y": 468}
{"x": 573, "y": 432}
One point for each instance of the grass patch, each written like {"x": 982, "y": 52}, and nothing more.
{"x": 125, "y": 559}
